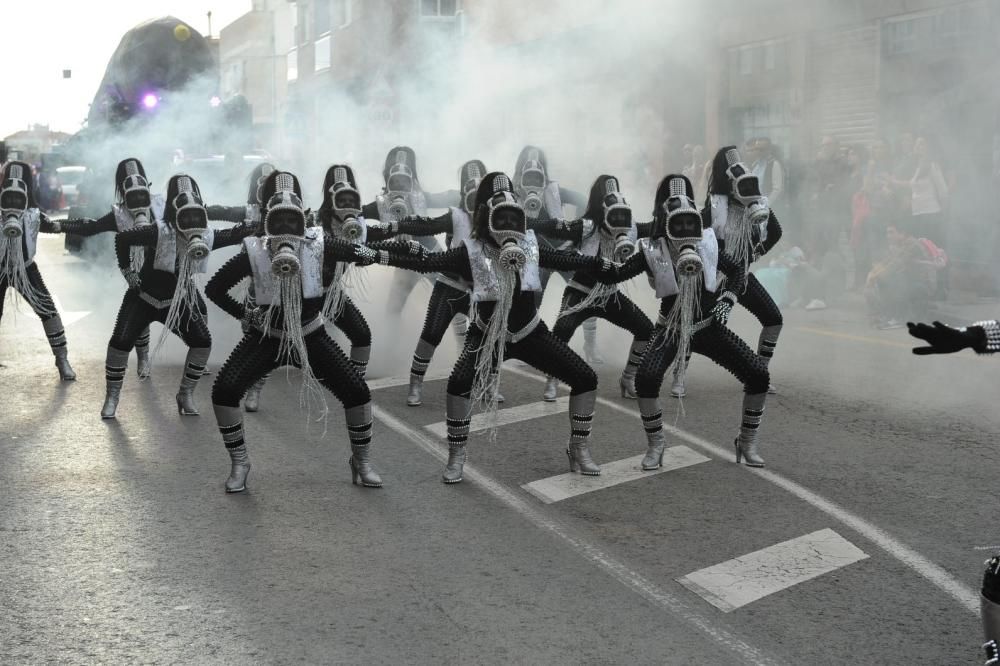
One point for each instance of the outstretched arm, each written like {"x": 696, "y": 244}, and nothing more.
{"x": 411, "y": 225}
{"x": 983, "y": 337}
{"x": 571, "y": 230}
{"x": 605, "y": 271}
{"x": 227, "y": 213}
{"x": 232, "y": 235}
{"x": 455, "y": 260}
{"x": 88, "y": 227}
{"x": 227, "y": 277}
{"x": 126, "y": 240}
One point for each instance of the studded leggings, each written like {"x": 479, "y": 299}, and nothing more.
{"x": 714, "y": 341}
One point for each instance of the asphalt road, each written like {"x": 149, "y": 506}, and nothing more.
{"x": 861, "y": 542}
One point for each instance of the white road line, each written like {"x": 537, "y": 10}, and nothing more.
{"x": 735, "y": 583}
{"x": 563, "y": 486}
{"x": 937, "y": 576}
{"x": 532, "y": 410}
{"x": 403, "y": 380}
{"x": 614, "y": 567}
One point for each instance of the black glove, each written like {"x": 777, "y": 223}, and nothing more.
{"x": 942, "y": 339}
{"x": 254, "y": 317}
{"x": 724, "y": 307}
{"x": 365, "y": 256}
{"x": 417, "y": 249}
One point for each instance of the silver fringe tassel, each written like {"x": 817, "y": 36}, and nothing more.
{"x": 14, "y": 272}
{"x": 293, "y": 345}
{"x": 680, "y": 321}
{"x": 599, "y": 296}
{"x": 185, "y": 298}
{"x": 738, "y": 240}
{"x": 137, "y": 257}
{"x": 486, "y": 382}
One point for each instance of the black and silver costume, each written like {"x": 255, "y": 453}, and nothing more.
{"x": 502, "y": 260}
{"x": 135, "y": 206}
{"x": 20, "y": 223}
{"x": 682, "y": 262}
{"x": 607, "y": 231}
{"x": 746, "y": 229}
{"x": 176, "y": 249}
{"x": 290, "y": 267}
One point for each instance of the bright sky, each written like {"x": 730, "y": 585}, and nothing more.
{"x": 49, "y": 36}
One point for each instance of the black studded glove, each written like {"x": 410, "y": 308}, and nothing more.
{"x": 943, "y": 339}
{"x": 724, "y": 307}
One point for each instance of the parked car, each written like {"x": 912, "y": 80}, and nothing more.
{"x": 70, "y": 178}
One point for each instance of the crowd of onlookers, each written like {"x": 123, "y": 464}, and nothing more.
{"x": 870, "y": 219}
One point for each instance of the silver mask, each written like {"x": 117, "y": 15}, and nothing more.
{"x": 191, "y": 219}
{"x": 746, "y": 188}
{"x": 508, "y": 230}
{"x": 285, "y": 227}
{"x": 683, "y": 229}
{"x": 531, "y": 185}
{"x": 617, "y": 220}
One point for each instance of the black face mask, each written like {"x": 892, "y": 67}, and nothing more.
{"x": 533, "y": 179}
{"x": 400, "y": 183}
{"x": 192, "y": 219}
{"x": 508, "y": 219}
{"x": 346, "y": 201}
{"x": 136, "y": 199}
{"x": 286, "y": 223}
{"x": 13, "y": 200}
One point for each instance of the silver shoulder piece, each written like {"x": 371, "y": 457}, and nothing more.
{"x": 992, "y": 330}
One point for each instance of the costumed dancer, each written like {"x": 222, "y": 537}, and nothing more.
{"x": 543, "y": 200}
{"x": 289, "y": 268}
{"x": 746, "y": 229}
{"x": 248, "y": 214}
{"x": 164, "y": 289}
{"x": 20, "y": 223}
{"x": 682, "y": 262}
{"x": 607, "y": 231}
{"x": 502, "y": 262}
{"x": 135, "y": 206}
{"x": 983, "y": 337}
{"x": 403, "y": 196}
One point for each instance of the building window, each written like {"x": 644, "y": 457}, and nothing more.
{"x": 302, "y": 33}
{"x": 438, "y": 8}
{"x": 293, "y": 64}
{"x": 322, "y": 52}
{"x": 341, "y": 13}
{"x": 321, "y": 17}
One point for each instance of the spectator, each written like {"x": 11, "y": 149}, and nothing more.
{"x": 875, "y": 205}
{"x": 829, "y": 202}
{"x": 899, "y": 287}
{"x": 929, "y": 194}
{"x": 769, "y": 170}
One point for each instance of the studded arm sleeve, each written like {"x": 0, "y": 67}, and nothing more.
{"x": 412, "y": 225}
{"x": 231, "y": 236}
{"x": 455, "y": 260}
{"x": 571, "y": 230}
{"x": 227, "y": 277}
{"x": 87, "y": 227}
{"x": 989, "y": 341}
{"x": 227, "y": 213}
{"x": 736, "y": 277}
{"x": 126, "y": 240}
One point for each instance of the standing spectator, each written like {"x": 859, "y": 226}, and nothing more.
{"x": 770, "y": 171}
{"x": 829, "y": 202}
{"x": 880, "y": 200}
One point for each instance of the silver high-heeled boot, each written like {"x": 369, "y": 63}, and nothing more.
{"x": 359, "y": 430}
{"x": 359, "y": 359}
{"x": 459, "y": 418}
{"x": 746, "y": 441}
{"x": 581, "y": 419}
{"x": 115, "y": 364}
{"x": 766, "y": 345}
{"x": 143, "y": 365}
{"x": 627, "y": 381}
{"x": 194, "y": 367}
{"x": 590, "y": 353}
{"x": 551, "y": 389}
{"x": 230, "y": 422}
{"x": 652, "y": 422}
{"x": 251, "y": 401}
{"x": 422, "y": 356}
{"x": 678, "y": 389}
{"x": 57, "y": 341}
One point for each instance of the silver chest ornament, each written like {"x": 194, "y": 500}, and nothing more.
{"x": 725, "y": 214}
{"x": 265, "y": 282}
{"x": 663, "y": 277}
{"x": 31, "y": 222}
{"x": 166, "y": 255}
{"x": 485, "y": 286}
{"x": 124, "y": 220}
{"x": 461, "y": 227}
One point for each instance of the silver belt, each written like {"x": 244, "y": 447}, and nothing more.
{"x": 516, "y": 336}
{"x": 454, "y": 284}
{"x": 311, "y": 327}
{"x": 156, "y": 303}
{"x": 661, "y": 322}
